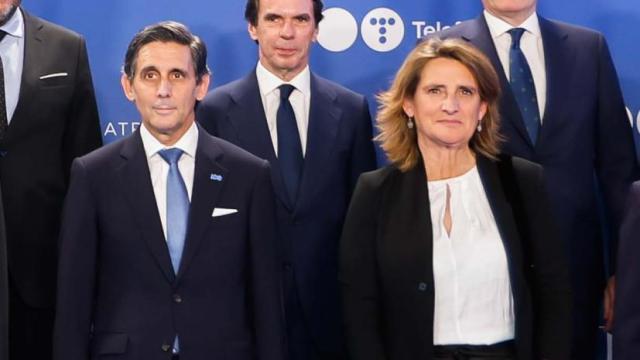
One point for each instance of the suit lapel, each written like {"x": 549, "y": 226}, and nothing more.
{"x": 407, "y": 227}
{"x": 324, "y": 121}
{"x": 135, "y": 181}
{"x": 480, "y": 36}
{"x": 248, "y": 119}
{"x": 556, "y": 65}
{"x": 29, "y": 79}
{"x": 204, "y": 196}
{"x": 501, "y": 209}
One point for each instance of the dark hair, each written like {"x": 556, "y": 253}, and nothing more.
{"x": 167, "y": 31}
{"x": 251, "y": 11}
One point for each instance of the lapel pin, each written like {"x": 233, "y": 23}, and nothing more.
{"x": 216, "y": 177}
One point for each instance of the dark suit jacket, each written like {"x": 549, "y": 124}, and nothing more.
{"x": 585, "y": 132}
{"x": 4, "y": 290}
{"x": 118, "y": 294}
{"x": 626, "y": 332}
{"x": 55, "y": 121}
{"x": 386, "y": 263}
{"x": 339, "y": 148}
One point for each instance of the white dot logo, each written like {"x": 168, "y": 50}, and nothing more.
{"x": 382, "y": 29}
{"x": 338, "y": 30}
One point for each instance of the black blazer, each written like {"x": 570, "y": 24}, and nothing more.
{"x": 4, "y": 290}
{"x": 118, "y": 295}
{"x": 386, "y": 263}
{"x": 56, "y": 120}
{"x": 626, "y": 331}
{"x": 339, "y": 149}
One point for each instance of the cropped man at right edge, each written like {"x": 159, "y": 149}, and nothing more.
{"x": 562, "y": 107}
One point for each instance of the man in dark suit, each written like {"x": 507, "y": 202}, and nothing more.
{"x": 573, "y": 122}
{"x": 318, "y": 141}
{"x": 4, "y": 290}
{"x": 168, "y": 242}
{"x": 626, "y": 334}
{"x": 48, "y": 116}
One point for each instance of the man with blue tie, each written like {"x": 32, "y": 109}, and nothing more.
{"x": 562, "y": 107}
{"x": 317, "y": 137}
{"x": 168, "y": 246}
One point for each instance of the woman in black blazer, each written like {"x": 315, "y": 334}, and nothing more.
{"x": 450, "y": 252}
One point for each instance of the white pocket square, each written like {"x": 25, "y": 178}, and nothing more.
{"x": 223, "y": 212}
{"x": 48, "y": 76}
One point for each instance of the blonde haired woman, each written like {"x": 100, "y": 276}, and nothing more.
{"x": 450, "y": 252}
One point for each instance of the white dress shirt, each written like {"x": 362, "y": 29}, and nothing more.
{"x": 12, "y": 54}
{"x": 300, "y": 100}
{"x": 530, "y": 44}
{"x": 473, "y": 299}
{"x": 159, "y": 169}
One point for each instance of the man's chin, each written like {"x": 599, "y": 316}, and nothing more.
{"x": 6, "y": 14}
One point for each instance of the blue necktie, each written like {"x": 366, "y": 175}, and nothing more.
{"x": 289, "y": 147}
{"x": 177, "y": 207}
{"x": 177, "y": 213}
{"x": 522, "y": 85}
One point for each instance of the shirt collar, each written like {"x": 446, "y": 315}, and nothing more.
{"x": 188, "y": 143}
{"x": 497, "y": 26}
{"x": 15, "y": 26}
{"x": 268, "y": 82}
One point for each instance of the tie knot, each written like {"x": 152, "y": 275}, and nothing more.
{"x": 516, "y": 35}
{"x": 171, "y": 156}
{"x": 2, "y": 34}
{"x": 285, "y": 91}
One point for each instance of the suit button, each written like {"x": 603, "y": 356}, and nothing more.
{"x": 177, "y": 298}
{"x": 422, "y": 286}
{"x": 166, "y": 347}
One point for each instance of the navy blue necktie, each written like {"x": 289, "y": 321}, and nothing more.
{"x": 177, "y": 207}
{"x": 522, "y": 85}
{"x": 289, "y": 147}
{"x": 4, "y": 122}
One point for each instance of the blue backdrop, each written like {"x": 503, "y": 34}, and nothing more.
{"x": 361, "y": 44}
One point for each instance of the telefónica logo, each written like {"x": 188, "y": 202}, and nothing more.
{"x": 382, "y": 29}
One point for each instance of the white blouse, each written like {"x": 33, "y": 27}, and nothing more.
{"x": 473, "y": 299}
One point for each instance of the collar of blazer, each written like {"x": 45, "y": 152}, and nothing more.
{"x": 136, "y": 183}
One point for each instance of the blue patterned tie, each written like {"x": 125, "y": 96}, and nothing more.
{"x": 522, "y": 85}
{"x": 289, "y": 147}
{"x": 177, "y": 207}
{"x": 177, "y": 213}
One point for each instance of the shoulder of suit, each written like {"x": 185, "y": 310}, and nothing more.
{"x": 378, "y": 178}
{"x": 49, "y": 28}
{"x": 341, "y": 92}
{"x": 524, "y": 170}
{"x": 222, "y": 95}
{"x": 232, "y": 152}
{"x": 461, "y": 29}
{"x": 571, "y": 29}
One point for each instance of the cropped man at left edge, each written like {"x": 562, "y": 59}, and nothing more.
{"x": 48, "y": 116}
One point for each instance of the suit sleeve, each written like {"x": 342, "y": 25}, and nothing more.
{"x": 363, "y": 155}
{"x": 626, "y": 332}
{"x": 549, "y": 281}
{"x": 265, "y": 273}
{"x": 616, "y": 164}
{"x": 76, "y": 270}
{"x": 82, "y": 129}
{"x": 358, "y": 276}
